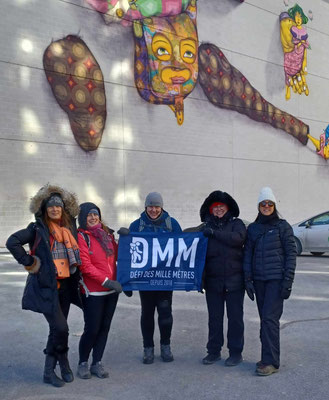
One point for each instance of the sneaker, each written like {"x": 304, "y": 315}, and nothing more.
{"x": 166, "y": 353}
{"x": 148, "y": 356}
{"x": 83, "y": 371}
{"x": 98, "y": 370}
{"x": 265, "y": 370}
{"x": 211, "y": 358}
{"x": 233, "y": 360}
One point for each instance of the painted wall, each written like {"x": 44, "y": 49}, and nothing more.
{"x": 143, "y": 148}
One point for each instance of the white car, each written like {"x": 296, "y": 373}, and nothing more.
{"x": 312, "y": 234}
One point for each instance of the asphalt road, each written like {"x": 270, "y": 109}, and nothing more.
{"x": 304, "y": 372}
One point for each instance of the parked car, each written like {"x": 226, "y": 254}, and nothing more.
{"x": 312, "y": 234}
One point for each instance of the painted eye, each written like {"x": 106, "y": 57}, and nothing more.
{"x": 188, "y": 54}
{"x": 162, "y": 51}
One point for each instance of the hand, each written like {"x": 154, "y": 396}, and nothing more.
{"x": 286, "y": 289}
{"x": 208, "y": 232}
{"x": 128, "y": 293}
{"x": 113, "y": 285}
{"x": 123, "y": 231}
{"x": 250, "y": 290}
{"x": 34, "y": 267}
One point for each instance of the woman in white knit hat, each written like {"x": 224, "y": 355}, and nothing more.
{"x": 269, "y": 268}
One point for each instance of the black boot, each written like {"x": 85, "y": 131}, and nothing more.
{"x": 64, "y": 365}
{"x": 49, "y": 375}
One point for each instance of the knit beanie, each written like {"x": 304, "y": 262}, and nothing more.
{"x": 154, "y": 199}
{"x": 55, "y": 200}
{"x": 266, "y": 193}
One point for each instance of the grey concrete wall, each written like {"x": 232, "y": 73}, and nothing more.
{"x": 143, "y": 149}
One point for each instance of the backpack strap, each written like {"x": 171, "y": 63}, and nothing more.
{"x": 141, "y": 225}
{"x": 168, "y": 223}
{"x": 86, "y": 238}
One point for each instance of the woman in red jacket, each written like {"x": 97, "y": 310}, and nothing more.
{"x": 99, "y": 288}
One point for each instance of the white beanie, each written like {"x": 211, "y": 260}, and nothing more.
{"x": 266, "y": 194}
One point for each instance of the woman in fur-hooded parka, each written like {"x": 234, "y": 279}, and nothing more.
{"x": 52, "y": 283}
{"x": 223, "y": 276}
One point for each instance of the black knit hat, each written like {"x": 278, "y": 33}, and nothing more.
{"x": 219, "y": 197}
{"x": 85, "y": 208}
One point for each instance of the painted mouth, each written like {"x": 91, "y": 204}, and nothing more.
{"x": 178, "y": 80}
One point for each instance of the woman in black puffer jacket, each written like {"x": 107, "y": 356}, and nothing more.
{"x": 269, "y": 268}
{"x": 223, "y": 275}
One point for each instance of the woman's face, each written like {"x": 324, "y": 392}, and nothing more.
{"x": 220, "y": 210}
{"x": 92, "y": 219}
{"x": 266, "y": 207}
{"x": 153, "y": 212}
{"x": 54, "y": 212}
{"x": 298, "y": 19}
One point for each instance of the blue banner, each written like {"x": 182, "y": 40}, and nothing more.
{"x": 161, "y": 261}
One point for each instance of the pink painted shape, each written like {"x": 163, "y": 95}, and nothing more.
{"x": 171, "y": 7}
{"x": 99, "y": 5}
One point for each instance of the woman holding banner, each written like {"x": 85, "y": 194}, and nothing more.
{"x": 223, "y": 275}
{"x": 155, "y": 219}
{"x": 100, "y": 290}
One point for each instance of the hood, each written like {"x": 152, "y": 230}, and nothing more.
{"x": 84, "y": 211}
{"x": 222, "y": 197}
{"x": 38, "y": 201}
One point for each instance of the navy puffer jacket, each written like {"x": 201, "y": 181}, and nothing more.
{"x": 270, "y": 251}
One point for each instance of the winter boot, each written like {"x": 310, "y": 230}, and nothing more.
{"x": 49, "y": 375}
{"x": 148, "y": 356}
{"x": 166, "y": 353}
{"x": 67, "y": 374}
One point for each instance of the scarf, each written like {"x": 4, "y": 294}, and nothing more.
{"x": 64, "y": 250}
{"x": 104, "y": 239}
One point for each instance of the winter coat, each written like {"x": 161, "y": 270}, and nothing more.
{"x": 164, "y": 223}
{"x": 40, "y": 293}
{"x": 95, "y": 266}
{"x": 270, "y": 251}
{"x": 223, "y": 267}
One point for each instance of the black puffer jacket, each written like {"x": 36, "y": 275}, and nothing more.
{"x": 270, "y": 251}
{"x": 223, "y": 269}
{"x": 40, "y": 293}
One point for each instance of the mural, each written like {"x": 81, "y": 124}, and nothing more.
{"x": 294, "y": 44}
{"x": 322, "y": 145}
{"x": 76, "y": 81}
{"x": 168, "y": 64}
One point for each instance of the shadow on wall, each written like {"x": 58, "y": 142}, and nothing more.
{"x": 274, "y": 81}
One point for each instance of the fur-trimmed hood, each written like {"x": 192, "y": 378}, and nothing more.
{"x": 222, "y": 197}
{"x": 38, "y": 201}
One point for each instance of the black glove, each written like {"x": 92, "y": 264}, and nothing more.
{"x": 250, "y": 290}
{"x": 208, "y": 232}
{"x": 286, "y": 289}
{"x": 113, "y": 285}
{"x": 123, "y": 231}
{"x": 128, "y": 293}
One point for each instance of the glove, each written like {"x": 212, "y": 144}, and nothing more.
{"x": 123, "y": 231}
{"x": 208, "y": 232}
{"x": 128, "y": 293}
{"x": 250, "y": 290}
{"x": 286, "y": 289}
{"x": 113, "y": 285}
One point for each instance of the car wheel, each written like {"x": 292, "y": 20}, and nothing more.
{"x": 317, "y": 253}
{"x": 298, "y": 246}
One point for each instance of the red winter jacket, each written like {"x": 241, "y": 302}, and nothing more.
{"x": 95, "y": 266}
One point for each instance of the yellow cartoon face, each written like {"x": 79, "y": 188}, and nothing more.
{"x": 298, "y": 19}
{"x": 172, "y": 52}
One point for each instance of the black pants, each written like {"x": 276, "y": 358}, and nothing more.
{"x": 161, "y": 300}
{"x": 270, "y": 308}
{"x": 58, "y": 328}
{"x": 98, "y": 312}
{"x": 216, "y": 300}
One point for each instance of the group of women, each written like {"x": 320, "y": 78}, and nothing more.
{"x": 78, "y": 266}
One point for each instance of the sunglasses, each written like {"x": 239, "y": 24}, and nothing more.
{"x": 266, "y": 203}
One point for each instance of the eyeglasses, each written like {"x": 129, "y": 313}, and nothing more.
{"x": 266, "y": 203}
